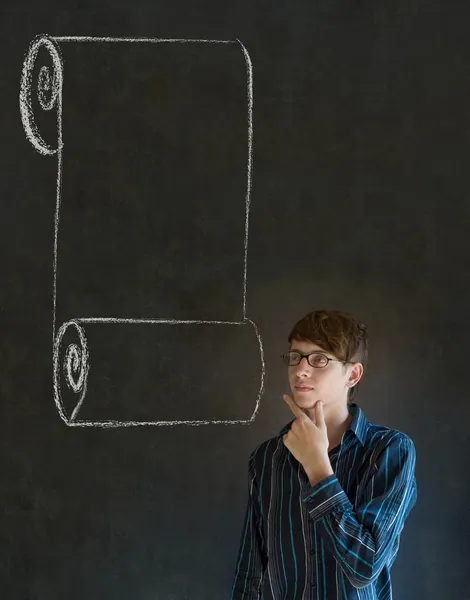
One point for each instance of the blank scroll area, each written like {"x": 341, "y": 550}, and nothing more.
{"x": 163, "y": 373}
{"x": 154, "y": 181}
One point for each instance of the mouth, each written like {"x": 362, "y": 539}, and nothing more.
{"x": 303, "y": 388}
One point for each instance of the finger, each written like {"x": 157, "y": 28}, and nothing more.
{"x": 293, "y": 406}
{"x": 319, "y": 415}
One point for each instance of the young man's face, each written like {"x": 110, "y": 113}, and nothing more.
{"x": 329, "y": 384}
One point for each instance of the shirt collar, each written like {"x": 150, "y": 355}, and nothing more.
{"x": 359, "y": 424}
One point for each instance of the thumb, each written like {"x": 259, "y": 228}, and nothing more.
{"x": 319, "y": 415}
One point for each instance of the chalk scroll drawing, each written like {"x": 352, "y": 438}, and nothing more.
{"x": 142, "y": 276}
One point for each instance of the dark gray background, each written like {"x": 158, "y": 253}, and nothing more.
{"x": 359, "y": 203}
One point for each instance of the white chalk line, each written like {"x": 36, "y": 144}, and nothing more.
{"x": 155, "y": 321}
{"x": 57, "y": 219}
{"x": 263, "y": 369}
{"x": 116, "y": 424}
{"x": 86, "y": 38}
{"x": 249, "y": 75}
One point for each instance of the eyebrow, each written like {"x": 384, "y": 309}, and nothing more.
{"x": 312, "y": 352}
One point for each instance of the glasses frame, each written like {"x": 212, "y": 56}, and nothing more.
{"x": 302, "y": 356}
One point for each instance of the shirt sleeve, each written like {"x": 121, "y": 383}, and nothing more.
{"x": 252, "y": 558}
{"x": 364, "y": 540}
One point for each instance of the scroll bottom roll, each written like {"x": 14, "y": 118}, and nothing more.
{"x": 139, "y": 373}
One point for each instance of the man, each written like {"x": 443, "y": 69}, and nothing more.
{"x": 328, "y": 496}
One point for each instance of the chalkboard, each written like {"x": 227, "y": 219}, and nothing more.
{"x": 180, "y": 184}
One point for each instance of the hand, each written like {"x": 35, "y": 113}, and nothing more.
{"x": 308, "y": 441}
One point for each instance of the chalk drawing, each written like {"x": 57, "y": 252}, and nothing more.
{"x": 73, "y": 363}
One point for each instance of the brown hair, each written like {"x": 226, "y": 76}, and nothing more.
{"x": 337, "y": 332}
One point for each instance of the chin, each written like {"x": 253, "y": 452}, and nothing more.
{"x": 304, "y": 400}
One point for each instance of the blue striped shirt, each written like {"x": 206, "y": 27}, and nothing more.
{"x": 337, "y": 539}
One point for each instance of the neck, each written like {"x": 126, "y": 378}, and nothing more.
{"x": 337, "y": 419}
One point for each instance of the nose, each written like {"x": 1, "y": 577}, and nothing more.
{"x": 303, "y": 368}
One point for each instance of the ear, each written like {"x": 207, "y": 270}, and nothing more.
{"x": 355, "y": 374}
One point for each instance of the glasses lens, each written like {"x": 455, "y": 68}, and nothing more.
{"x": 291, "y": 358}
{"x": 318, "y": 360}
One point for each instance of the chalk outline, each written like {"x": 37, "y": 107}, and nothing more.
{"x": 33, "y": 135}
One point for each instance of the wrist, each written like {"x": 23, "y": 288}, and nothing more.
{"x": 316, "y": 473}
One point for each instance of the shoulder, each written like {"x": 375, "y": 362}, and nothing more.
{"x": 380, "y": 435}
{"x": 385, "y": 443}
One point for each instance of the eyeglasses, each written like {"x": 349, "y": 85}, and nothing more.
{"x": 319, "y": 361}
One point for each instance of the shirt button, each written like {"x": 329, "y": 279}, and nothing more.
{"x": 312, "y": 551}
{"x": 313, "y": 584}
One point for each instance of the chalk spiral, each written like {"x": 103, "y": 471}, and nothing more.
{"x": 48, "y": 89}
{"x": 71, "y": 362}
